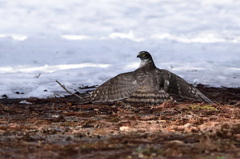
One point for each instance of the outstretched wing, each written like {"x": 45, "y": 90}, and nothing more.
{"x": 175, "y": 85}
{"x": 117, "y": 88}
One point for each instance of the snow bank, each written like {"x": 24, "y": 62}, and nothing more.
{"x": 86, "y": 43}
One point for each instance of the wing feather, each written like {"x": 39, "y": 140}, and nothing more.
{"x": 116, "y": 88}
{"x": 175, "y": 85}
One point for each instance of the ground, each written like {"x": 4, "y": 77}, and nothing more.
{"x": 60, "y": 128}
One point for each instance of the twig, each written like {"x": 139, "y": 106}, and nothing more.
{"x": 56, "y": 95}
{"x": 68, "y": 90}
{"x": 37, "y": 76}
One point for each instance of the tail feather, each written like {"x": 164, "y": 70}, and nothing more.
{"x": 145, "y": 97}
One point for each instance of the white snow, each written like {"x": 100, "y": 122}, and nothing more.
{"x": 80, "y": 42}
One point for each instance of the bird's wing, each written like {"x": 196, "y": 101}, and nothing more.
{"x": 175, "y": 85}
{"x": 116, "y": 88}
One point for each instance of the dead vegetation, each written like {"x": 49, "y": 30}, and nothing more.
{"x": 59, "y": 128}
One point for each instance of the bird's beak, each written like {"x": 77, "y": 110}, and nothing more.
{"x": 138, "y": 56}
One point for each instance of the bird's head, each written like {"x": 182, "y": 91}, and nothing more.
{"x": 144, "y": 55}
{"x": 146, "y": 59}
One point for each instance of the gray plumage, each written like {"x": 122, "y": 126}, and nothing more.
{"x": 147, "y": 85}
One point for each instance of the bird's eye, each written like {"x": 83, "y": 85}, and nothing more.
{"x": 144, "y": 55}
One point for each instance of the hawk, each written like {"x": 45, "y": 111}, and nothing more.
{"x": 146, "y": 85}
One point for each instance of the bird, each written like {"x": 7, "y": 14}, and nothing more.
{"x": 147, "y": 85}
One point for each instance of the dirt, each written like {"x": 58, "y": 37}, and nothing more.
{"x": 61, "y": 128}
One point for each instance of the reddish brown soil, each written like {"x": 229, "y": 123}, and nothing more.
{"x": 58, "y": 128}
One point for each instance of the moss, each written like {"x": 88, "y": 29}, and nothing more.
{"x": 205, "y": 107}
{"x": 218, "y": 157}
